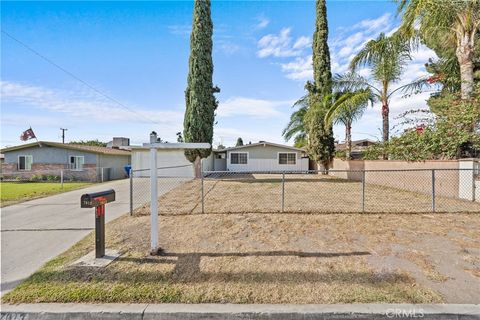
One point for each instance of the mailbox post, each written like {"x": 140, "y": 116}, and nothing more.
{"x": 98, "y": 200}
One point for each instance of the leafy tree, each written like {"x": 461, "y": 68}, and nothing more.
{"x": 321, "y": 145}
{"x": 95, "y": 143}
{"x": 386, "y": 57}
{"x": 199, "y": 95}
{"x": 446, "y": 26}
{"x": 239, "y": 142}
{"x": 347, "y": 108}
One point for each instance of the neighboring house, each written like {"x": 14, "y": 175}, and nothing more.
{"x": 358, "y": 146}
{"x": 261, "y": 156}
{"x": 80, "y": 162}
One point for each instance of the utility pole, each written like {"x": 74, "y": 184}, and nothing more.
{"x": 63, "y": 134}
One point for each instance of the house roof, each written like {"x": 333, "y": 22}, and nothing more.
{"x": 342, "y": 146}
{"x": 175, "y": 145}
{"x": 79, "y": 147}
{"x": 261, "y": 143}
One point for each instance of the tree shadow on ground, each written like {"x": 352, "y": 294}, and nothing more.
{"x": 187, "y": 270}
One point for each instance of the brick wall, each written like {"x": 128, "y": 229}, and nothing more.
{"x": 49, "y": 171}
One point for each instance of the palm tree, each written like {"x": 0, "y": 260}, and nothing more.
{"x": 446, "y": 25}
{"x": 386, "y": 57}
{"x": 332, "y": 103}
{"x": 296, "y": 126}
{"x": 349, "y": 112}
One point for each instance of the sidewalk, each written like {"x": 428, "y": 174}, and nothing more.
{"x": 240, "y": 311}
{"x": 36, "y": 231}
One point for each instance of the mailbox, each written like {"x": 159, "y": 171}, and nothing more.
{"x": 98, "y": 200}
{"x": 92, "y": 200}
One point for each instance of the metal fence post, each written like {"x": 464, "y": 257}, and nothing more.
{"x": 363, "y": 190}
{"x": 474, "y": 184}
{"x": 283, "y": 191}
{"x": 203, "y": 195}
{"x": 101, "y": 173}
{"x": 61, "y": 178}
{"x": 433, "y": 190}
{"x": 131, "y": 191}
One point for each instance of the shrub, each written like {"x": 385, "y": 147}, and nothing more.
{"x": 456, "y": 128}
{"x": 52, "y": 177}
{"x": 37, "y": 178}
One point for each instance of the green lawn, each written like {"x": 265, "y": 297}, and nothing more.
{"x": 14, "y": 192}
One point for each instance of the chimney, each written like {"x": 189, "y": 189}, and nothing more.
{"x": 153, "y": 137}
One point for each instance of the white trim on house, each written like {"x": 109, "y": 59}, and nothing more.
{"x": 74, "y": 168}
{"x": 237, "y": 152}
{"x": 286, "y": 164}
{"x": 261, "y": 144}
{"x": 25, "y": 156}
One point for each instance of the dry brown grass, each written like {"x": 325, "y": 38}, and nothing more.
{"x": 271, "y": 258}
{"x": 303, "y": 193}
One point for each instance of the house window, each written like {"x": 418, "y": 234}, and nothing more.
{"x": 238, "y": 158}
{"x": 25, "y": 163}
{"x": 287, "y": 158}
{"x": 76, "y": 162}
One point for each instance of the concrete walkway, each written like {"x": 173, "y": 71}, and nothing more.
{"x": 34, "y": 232}
{"x": 239, "y": 311}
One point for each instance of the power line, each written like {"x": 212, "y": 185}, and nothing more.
{"x": 77, "y": 78}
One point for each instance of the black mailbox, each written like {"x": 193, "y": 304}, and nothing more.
{"x": 92, "y": 200}
{"x": 98, "y": 200}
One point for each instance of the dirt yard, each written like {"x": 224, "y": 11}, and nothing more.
{"x": 274, "y": 258}
{"x": 303, "y": 193}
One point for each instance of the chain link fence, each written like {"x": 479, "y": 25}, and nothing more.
{"x": 339, "y": 191}
{"x": 59, "y": 175}
{"x": 169, "y": 178}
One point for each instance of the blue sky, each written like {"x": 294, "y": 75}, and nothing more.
{"x": 137, "y": 53}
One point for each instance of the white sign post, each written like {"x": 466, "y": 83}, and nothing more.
{"x": 154, "y": 147}
{"x": 153, "y": 201}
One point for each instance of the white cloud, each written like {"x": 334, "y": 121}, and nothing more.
{"x": 257, "y": 108}
{"x": 228, "y": 47}
{"x": 374, "y": 25}
{"x": 302, "y": 42}
{"x": 299, "y": 69}
{"x": 280, "y": 45}
{"x": 81, "y": 105}
{"x": 262, "y": 23}
{"x": 180, "y": 29}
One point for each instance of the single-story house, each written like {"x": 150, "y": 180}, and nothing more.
{"x": 261, "y": 156}
{"x": 172, "y": 158}
{"x": 79, "y": 162}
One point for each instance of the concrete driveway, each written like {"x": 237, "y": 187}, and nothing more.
{"x": 34, "y": 232}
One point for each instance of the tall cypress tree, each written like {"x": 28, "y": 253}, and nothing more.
{"x": 199, "y": 95}
{"x": 321, "y": 144}
{"x": 322, "y": 74}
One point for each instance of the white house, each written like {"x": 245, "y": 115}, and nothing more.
{"x": 261, "y": 156}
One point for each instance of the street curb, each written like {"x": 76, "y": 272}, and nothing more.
{"x": 67, "y": 311}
